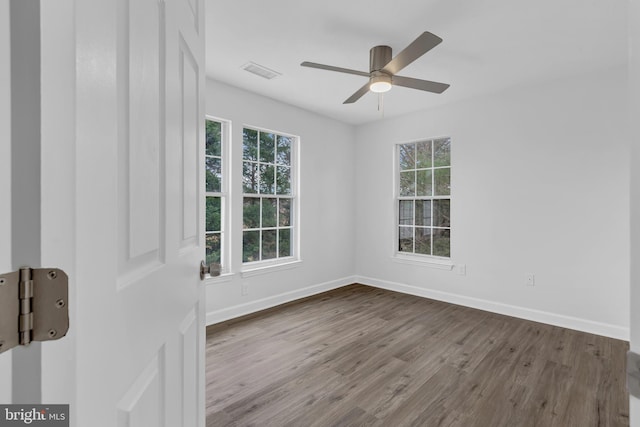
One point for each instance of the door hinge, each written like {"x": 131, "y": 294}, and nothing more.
{"x": 33, "y": 306}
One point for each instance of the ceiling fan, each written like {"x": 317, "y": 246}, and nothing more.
{"x": 383, "y": 69}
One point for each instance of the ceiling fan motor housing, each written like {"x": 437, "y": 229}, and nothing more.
{"x": 379, "y": 56}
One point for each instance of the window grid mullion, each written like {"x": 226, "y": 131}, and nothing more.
{"x": 433, "y": 193}
{"x": 413, "y": 205}
{"x": 431, "y": 229}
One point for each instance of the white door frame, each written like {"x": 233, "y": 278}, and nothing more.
{"x": 634, "y": 137}
{"x": 25, "y": 173}
{"x": 46, "y": 106}
{"x": 5, "y": 176}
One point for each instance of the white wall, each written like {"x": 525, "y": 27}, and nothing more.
{"x": 634, "y": 113}
{"x": 540, "y": 185}
{"x": 327, "y": 199}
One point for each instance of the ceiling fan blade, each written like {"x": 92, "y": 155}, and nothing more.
{"x": 332, "y": 68}
{"x": 423, "y": 44}
{"x": 359, "y": 94}
{"x": 427, "y": 85}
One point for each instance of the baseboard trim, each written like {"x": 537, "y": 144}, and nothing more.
{"x": 584, "y": 325}
{"x": 229, "y": 313}
{"x": 569, "y": 322}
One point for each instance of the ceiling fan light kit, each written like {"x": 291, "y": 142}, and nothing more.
{"x": 380, "y": 83}
{"x": 383, "y": 68}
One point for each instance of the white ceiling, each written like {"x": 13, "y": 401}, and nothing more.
{"x": 488, "y": 45}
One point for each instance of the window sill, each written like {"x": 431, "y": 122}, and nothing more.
{"x": 432, "y": 262}
{"x": 223, "y": 278}
{"x": 255, "y": 270}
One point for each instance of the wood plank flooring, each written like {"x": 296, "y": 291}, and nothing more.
{"x": 360, "y": 356}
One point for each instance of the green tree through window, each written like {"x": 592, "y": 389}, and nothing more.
{"x": 267, "y": 195}
{"x": 213, "y": 190}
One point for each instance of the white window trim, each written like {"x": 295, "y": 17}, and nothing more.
{"x": 423, "y": 260}
{"x": 253, "y": 268}
{"x": 225, "y": 205}
{"x": 257, "y": 268}
{"x": 433, "y": 261}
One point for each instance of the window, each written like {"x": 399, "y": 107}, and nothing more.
{"x": 268, "y": 195}
{"x": 215, "y": 190}
{"x": 424, "y": 198}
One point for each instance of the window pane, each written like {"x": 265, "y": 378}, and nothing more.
{"x": 269, "y": 244}
{"x": 423, "y": 154}
{"x": 214, "y": 175}
{"x": 441, "y": 213}
{"x": 443, "y": 182}
{"x": 214, "y": 133}
{"x": 441, "y": 242}
{"x": 405, "y": 214}
{"x": 284, "y": 150}
{"x": 251, "y": 212}
{"x": 213, "y": 214}
{"x": 213, "y": 248}
{"x": 424, "y": 207}
{"x": 407, "y": 156}
{"x": 284, "y": 242}
{"x": 424, "y": 185}
{"x": 283, "y": 180}
{"x": 249, "y": 177}
{"x": 267, "y": 179}
{"x": 442, "y": 152}
{"x": 423, "y": 241}
{"x": 285, "y": 212}
{"x": 267, "y": 147}
{"x": 249, "y": 144}
{"x": 405, "y": 243}
{"x": 407, "y": 183}
{"x": 269, "y": 207}
{"x": 268, "y": 173}
{"x": 423, "y": 212}
{"x": 250, "y": 246}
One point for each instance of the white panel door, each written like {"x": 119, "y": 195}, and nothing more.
{"x": 135, "y": 351}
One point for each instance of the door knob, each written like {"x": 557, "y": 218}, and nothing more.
{"x": 212, "y": 269}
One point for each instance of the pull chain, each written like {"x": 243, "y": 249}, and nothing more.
{"x": 381, "y": 104}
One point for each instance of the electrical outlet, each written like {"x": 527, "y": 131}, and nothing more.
{"x": 244, "y": 289}
{"x": 530, "y": 280}
{"x": 462, "y": 269}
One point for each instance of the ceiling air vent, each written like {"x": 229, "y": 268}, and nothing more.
{"x": 260, "y": 70}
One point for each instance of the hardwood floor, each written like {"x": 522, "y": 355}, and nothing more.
{"x": 360, "y": 356}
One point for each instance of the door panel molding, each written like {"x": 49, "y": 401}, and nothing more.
{"x": 189, "y": 380}
{"x": 139, "y": 405}
{"x": 190, "y": 111}
{"x": 141, "y": 138}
